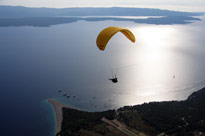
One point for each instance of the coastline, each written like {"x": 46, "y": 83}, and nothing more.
{"x": 185, "y": 120}
{"x": 183, "y": 117}
{"x": 57, "y": 107}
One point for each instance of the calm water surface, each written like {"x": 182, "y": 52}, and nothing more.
{"x": 165, "y": 63}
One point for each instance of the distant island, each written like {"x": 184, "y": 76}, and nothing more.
{"x": 175, "y": 118}
{"x": 19, "y": 12}
{"x": 45, "y": 17}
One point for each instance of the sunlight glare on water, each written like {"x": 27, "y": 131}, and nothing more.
{"x": 158, "y": 70}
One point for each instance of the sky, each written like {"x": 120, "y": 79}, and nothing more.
{"x": 178, "y": 5}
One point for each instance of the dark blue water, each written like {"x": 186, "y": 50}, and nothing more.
{"x": 36, "y": 61}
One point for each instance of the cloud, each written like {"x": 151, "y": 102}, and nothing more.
{"x": 185, "y": 5}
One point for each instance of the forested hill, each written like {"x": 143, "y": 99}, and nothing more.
{"x": 18, "y": 11}
{"x": 175, "y": 118}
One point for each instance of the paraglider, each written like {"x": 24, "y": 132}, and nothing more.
{"x": 106, "y": 34}
{"x": 114, "y": 79}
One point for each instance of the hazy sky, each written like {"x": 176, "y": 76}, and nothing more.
{"x": 182, "y": 5}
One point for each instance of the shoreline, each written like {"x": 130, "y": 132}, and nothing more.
{"x": 185, "y": 106}
{"x": 57, "y": 107}
{"x": 186, "y": 119}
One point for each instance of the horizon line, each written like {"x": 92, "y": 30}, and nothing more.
{"x": 99, "y": 7}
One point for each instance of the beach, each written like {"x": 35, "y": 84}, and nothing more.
{"x": 57, "y": 106}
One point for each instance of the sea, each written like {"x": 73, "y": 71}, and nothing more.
{"x": 167, "y": 62}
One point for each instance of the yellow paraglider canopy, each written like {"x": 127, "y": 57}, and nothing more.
{"x": 105, "y": 35}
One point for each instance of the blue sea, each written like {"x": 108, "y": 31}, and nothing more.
{"x": 165, "y": 63}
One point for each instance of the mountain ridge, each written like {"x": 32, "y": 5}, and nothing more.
{"x": 20, "y": 11}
